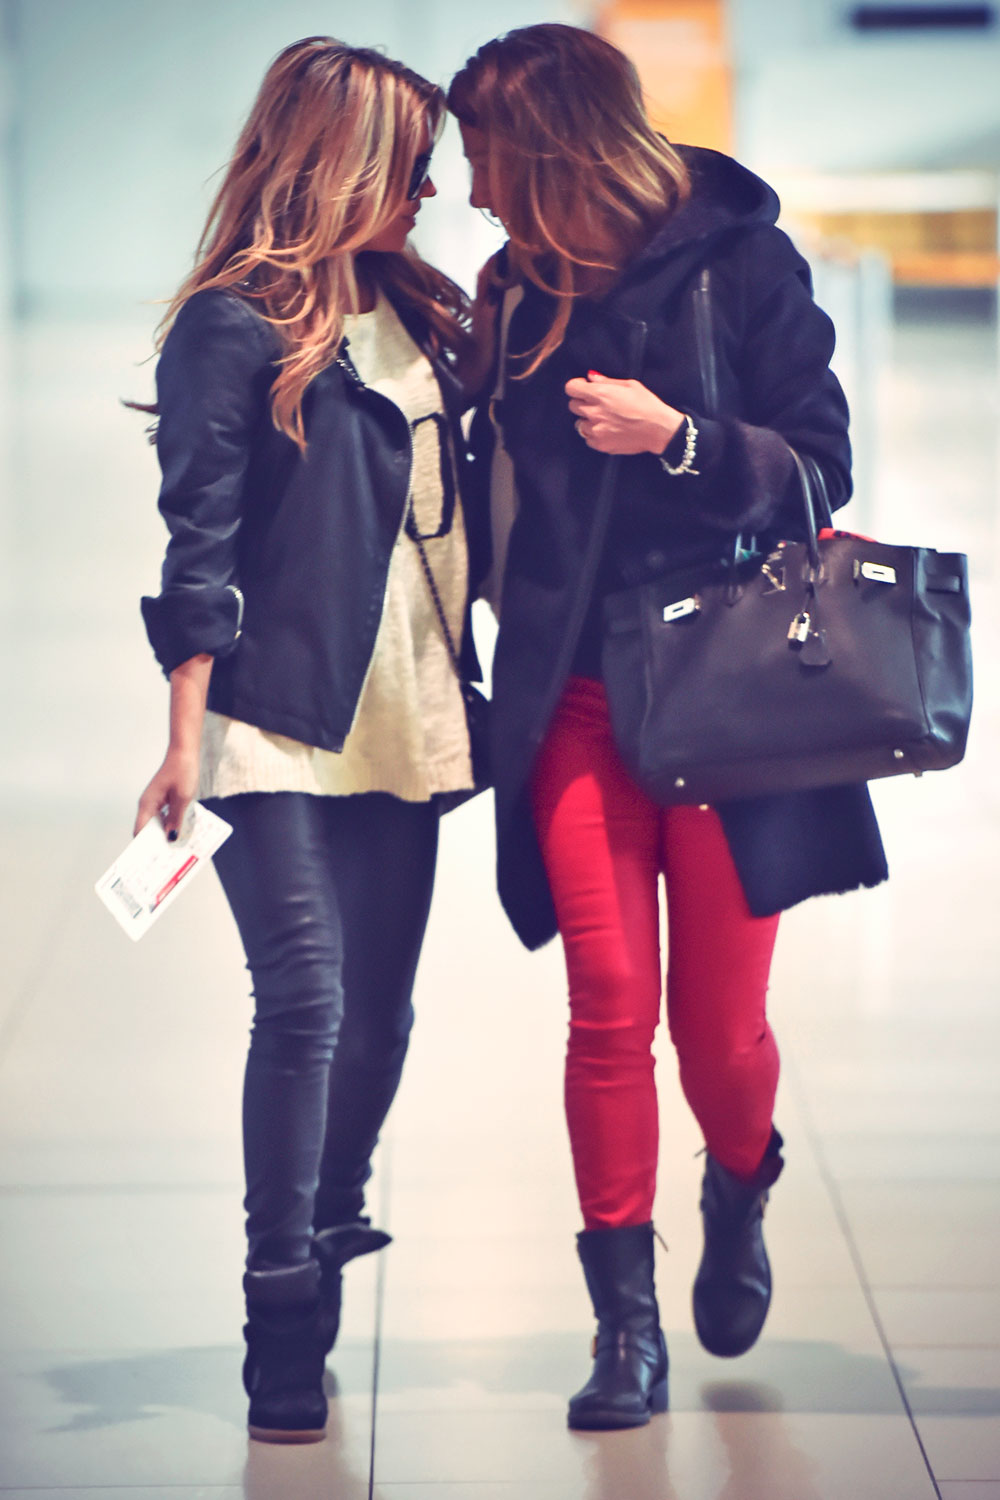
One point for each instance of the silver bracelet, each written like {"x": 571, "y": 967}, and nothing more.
{"x": 686, "y": 465}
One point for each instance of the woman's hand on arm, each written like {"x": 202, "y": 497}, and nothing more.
{"x": 173, "y": 788}
{"x": 621, "y": 416}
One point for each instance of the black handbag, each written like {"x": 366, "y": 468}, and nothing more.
{"x": 829, "y": 661}
{"x": 477, "y": 705}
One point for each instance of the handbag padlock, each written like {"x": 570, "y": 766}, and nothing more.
{"x": 798, "y": 630}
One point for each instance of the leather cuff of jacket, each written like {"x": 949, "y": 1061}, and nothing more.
{"x": 182, "y": 623}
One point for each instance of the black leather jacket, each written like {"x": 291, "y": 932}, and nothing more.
{"x": 277, "y": 561}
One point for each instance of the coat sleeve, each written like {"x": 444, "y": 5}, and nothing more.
{"x": 746, "y": 478}
{"x": 212, "y": 381}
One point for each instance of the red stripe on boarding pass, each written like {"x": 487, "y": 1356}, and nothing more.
{"x": 175, "y": 879}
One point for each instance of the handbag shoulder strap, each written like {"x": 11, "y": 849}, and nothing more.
{"x": 704, "y": 335}
{"x": 708, "y": 372}
{"x": 503, "y": 489}
{"x": 449, "y": 639}
{"x": 815, "y": 497}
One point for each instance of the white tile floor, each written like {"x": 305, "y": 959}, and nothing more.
{"x": 878, "y": 1377}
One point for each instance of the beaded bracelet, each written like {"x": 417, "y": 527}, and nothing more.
{"x": 686, "y": 465}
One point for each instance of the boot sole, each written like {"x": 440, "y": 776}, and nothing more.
{"x": 718, "y": 1351}
{"x": 287, "y": 1435}
{"x": 614, "y": 1421}
{"x": 728, "y": 1349}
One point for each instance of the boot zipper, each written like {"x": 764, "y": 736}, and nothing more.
{"x": 238, "y": 593}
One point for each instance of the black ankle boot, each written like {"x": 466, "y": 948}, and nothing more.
{"x": 732, "y": 1290}
{"x": 629, "y": 1378}
{"x": 283, "y": 1369}
{"x": 332, "y": 1249}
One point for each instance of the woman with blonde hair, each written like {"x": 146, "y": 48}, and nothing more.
{"x": 312, "y": 621}
{"x": 663, "y": 356}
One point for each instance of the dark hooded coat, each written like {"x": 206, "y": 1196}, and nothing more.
{"x": 746, "y": 352}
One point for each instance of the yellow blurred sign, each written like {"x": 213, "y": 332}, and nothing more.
{"x": 681, "y": 50}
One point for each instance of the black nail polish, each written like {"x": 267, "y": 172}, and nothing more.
{"x": 172, "y": 836}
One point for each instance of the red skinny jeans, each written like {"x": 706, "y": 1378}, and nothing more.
{"x": 605, "y": 845}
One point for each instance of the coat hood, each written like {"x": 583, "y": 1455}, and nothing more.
{"x": 724, "y": 196}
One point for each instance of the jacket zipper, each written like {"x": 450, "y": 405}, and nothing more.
{"x": 239, "y": 609}
{"x": 345, "y": 363}
{"x": 705, "y": 341}
{"x": 598, "y": 532}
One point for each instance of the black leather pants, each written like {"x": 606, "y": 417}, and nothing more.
{"x": 331, "y": 897}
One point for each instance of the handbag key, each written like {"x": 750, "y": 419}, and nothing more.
{"x": 815, "y": 652}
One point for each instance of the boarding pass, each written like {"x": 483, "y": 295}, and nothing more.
{"x": 152, "y": 871}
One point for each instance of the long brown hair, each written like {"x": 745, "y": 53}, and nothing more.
{"x": 576, "y": 172}
{"x": 322, "y": 163}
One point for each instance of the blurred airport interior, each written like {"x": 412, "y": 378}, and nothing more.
{"x": 878, "y": 1377}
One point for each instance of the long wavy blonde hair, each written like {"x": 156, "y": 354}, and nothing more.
{"x": 322, "y": 164}
{"x": 576, "y": 172}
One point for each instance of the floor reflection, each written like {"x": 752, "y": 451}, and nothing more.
{"x": 764, "y": 1463}
{"x": 636, "y": 1463}
{"x": 336, "y": 1469}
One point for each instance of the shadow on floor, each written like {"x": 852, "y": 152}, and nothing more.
{"x": 779, "y": 1375}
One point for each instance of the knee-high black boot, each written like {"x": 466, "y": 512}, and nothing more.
{"x": 332, "y": 1249}
{"x": 732, "y": 1290}
{"x": 283, "y": 1369}
{"x": 629, "y": 1378}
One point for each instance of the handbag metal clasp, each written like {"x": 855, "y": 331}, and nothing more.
{"x": 774, "y": 573}
{"x": 682, "y": 607}
{"x": 874, "y": 572}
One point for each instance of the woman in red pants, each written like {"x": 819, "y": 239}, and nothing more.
{"x": 658, "y": 355}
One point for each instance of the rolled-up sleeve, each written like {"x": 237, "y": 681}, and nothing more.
{"x": 212, "y": 383}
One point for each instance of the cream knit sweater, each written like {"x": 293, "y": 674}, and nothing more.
{"x": 409, "y": 734}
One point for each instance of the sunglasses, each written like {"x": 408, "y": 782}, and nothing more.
{"x": 419, "y": 175}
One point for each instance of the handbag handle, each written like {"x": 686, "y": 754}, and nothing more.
{"x": 814, "y": 499}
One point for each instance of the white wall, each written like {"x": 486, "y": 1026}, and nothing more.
{"x": 6, "y": 293}
{"x": 6, "y": 154}
{"x": 814, "y": 94}
{"x": 126, "y": 109}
